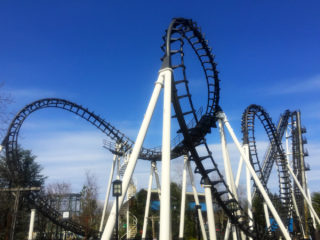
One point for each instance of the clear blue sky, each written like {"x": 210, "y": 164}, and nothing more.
{"x": 105, "y": 56}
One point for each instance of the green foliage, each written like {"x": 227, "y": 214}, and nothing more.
{"x": 316, "y": 203}
{"x": 137, "y": 208}
{"x": 28, "y": 174}
{"x": 90, "y": 212}
{"x": 26, "y": 170}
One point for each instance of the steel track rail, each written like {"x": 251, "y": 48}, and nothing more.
{"x": 10, "y": 143}
{"x": 269, "y": 157}
{"x": 181, "y": 31}
{"x": 251, "y": 113}
{"x": 298, "y": 164}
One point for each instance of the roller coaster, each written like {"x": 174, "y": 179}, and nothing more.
{"x": 190, "y": 143}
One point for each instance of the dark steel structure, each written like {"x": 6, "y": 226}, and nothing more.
{"x": 276, "y": 155}
{"x": 194, "y": 125}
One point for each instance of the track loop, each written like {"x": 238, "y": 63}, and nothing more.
{"x": 276, "y": 154}
{"x": 194, "y": 134}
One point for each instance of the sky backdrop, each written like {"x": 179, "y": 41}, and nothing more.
{"x": 105, "y": 55}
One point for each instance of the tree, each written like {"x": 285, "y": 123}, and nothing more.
{"x": 137, "y": 208}
{"x": 316, "y": 203}
{"x": 28, "y": 175}
{"x": 90, "y": 211}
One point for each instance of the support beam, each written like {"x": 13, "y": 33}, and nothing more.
{"x": 298, "y": 214}
{"x": 266, "y": 214}
{"x": 304, "y": 194}
{"x": 146, "y": 211}
{"x": 107, "y": 233}
{"x": 249, "y": 196}
{"x": 105, "y": 206}
{"x": 228, "y": 171}
{"x": 196, "y": 199}
{"x": 210, "y": 213}
{"x": 165, "y": 203}
{"x": 256, "y": 179}
{"x": 183, "y": 197}
{"x": 31, "y": 225}
{"x": 157, "y": 179}
{"x": 312, "y": 216}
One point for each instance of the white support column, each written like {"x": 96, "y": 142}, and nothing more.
{"x": 105, "y": 206}
{"x": 128, "y": 222}
{"x": 256, "y": 179}
{"x": 312, "y": 216}
{"x": 239, "y": 172}
{"x": 196, "y": 199}
{"x": 228, "y": 169}
{"x": 266, "y": 214}
{"x": 183, "y": 197}
{"x": 297, "y": 212}
{"x": 249, "y": 196}
{"x": 227, "y": 233}
{"x": 210, "y": 212}
{"x": 292, "y": 191}
{"x": 32, "y": 217}
{"x": 107, "y": 233}
{"x": 226, "y": 161}
{"x": 303, "y": 193}
{"x": 165, "y": 206}
{"x": 146, "y": 211}
{"x": 156, "y": 174}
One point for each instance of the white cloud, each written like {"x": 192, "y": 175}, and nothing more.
{"x": 311, "y": 84}
{"x": 66, "y": 156}
{"x": 31, "y": 93}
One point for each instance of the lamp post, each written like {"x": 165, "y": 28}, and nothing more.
{"x": 117, "y": 192}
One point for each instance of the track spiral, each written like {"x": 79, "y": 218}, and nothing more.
{"x": 184, "y": 30}
{"x": 276, "y": 153}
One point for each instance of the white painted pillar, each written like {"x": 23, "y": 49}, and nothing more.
{"x": 298, "y": 214}
{"x": 105, "y": 206}
{"x": 210, "y": 212}
{"x": 312, "y": 216}
{"x": 196, "y": 199}
{"x": 183, "y": 197}
{"x": 128, "y": 222}
{"x": 292, "y": 191}
{"x": 165, "y": 206}
{"x": 32, "y": 217}
{"x": 157, "y": 179}
{"x": 304, "y": 194}
{"x": 266, "y": 214}
{"x": 107, "y": 233}
{"x": 146, "y": 211}
{"x": 256, "y": 179}
{"x": 227, "y": 233}
{"x": 249, "y": 196}
{"x": 228, "y": 170}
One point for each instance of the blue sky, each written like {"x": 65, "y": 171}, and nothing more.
{"x": 105, "y": 55}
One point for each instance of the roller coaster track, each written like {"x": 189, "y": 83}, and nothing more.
{"x": 276, "y": 154}
{"x": 194, "y": 125}
{"x": 10, "y": 143}
{"x": 270, "y": 154}
{"x": 181, "y": 31}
